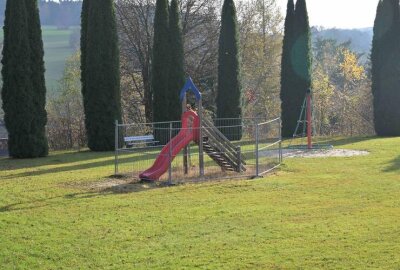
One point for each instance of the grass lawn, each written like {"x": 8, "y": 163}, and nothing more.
{"x": 333, "y": 213}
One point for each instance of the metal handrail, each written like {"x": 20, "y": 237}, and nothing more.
{"x": 269, "y": 122}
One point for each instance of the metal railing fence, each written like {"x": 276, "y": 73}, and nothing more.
{"x": 252, "y": 149}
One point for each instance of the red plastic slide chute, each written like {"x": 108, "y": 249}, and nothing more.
{"x": 188, "y": 133}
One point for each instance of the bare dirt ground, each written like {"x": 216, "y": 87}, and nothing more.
{"x": 126, "y": 184}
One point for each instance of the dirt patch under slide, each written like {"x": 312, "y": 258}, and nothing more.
{"x": 125, "y": 185}
{"x": 314, "y": 153}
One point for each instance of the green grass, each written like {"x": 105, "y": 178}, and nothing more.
{"x": 57, "y": 50}
{"x": 333, "y": 213}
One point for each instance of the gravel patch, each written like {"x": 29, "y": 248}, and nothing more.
{"x": 315, "y": 153}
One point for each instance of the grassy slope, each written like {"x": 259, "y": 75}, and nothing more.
{"x": 57, "y": 49}
{"x": 336, "y": 213}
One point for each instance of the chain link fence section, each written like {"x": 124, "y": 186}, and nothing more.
{"x": 3, "y": 140}
{"x": 269, "y": 146}
{"x": 232, "y": 148}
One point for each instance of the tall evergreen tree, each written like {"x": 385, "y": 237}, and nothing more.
{"x": 229, "y": 93}
{"x": 101, "y": 87}
{"x": 23, "y": 91}
{"x": 385, "y": 58}
{"x": 160, "y": 71}
{"x": 176, "y": 78}
{"x": 301, "y": 61}
{"x": 84, "y": 25}
{"x": 289, "y": 112}
{"x": 160, "y": 64}
{"x": 38, "y": 77}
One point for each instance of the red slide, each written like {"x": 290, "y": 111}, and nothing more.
{"x": 188, "y": 133}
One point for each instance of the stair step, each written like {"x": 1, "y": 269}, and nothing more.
{"x": 223, "y": 162}
{"x": 227, "y": 166}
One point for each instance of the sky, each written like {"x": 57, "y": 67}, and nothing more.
{"x": 339, "y": 13}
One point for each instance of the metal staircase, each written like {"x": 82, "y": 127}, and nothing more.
{"x": 221, "y": 150}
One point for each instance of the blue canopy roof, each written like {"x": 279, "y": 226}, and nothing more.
{"x": 189, "y": 86}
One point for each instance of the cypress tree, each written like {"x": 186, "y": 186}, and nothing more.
{"x": 84, "y": 22}
{"x": 38, "y": 78}
{"x": 301, "y": 61}
{"x": 160, "y": 71}
{"x": 229, "y": 89}
{"x": 160, "y": 64}
{"x": 176, "y": 78}
{"x": 23, "y": 91}
{"x": 385, "y": 58}
{"x": 289, "y": 113}
{"x": 101, "y": 87}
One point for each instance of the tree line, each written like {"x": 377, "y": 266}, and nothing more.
{"x": 200, "y": 24}
{"x": 348, "y": 76}
{"x": 100, "y": 75}
{"x": 340, "y": 81}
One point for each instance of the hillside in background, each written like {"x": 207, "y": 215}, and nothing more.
{"x": 58, "y": 45}
{"x": 63, "y": 13}
{"x": 361, "y": 39}
{"x": 61, "y": 33}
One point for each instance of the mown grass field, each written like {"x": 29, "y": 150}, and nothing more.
{"x": 333, "y": 213}
{"x": 57, "y": 49}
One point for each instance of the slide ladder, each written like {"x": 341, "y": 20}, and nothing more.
{"x": 220, "y": 149}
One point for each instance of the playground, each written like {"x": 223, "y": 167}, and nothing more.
{"x": 197, "y": 147}
{"x": 272, "y": 160}
{"x": 316, "y": 213}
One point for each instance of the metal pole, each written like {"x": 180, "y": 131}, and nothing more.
{"x": 170, "y": 155}
{"x": 309, "y": 122}
{"x": 186, "y": 149}
{"x": 257, "y": 160}
{"x": 280, "y": 141}
{"x": 116, "y": 148}
{"x": 239, "y": 158}
{"x": 201, "y": 154}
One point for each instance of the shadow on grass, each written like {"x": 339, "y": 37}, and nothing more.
{"x": 394, "y": 165}
{"x": 3, "y": 153}
{"x": 65, "y": 159}
{"x": 54, "y": 158}
{"x": 123, "y": 188}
